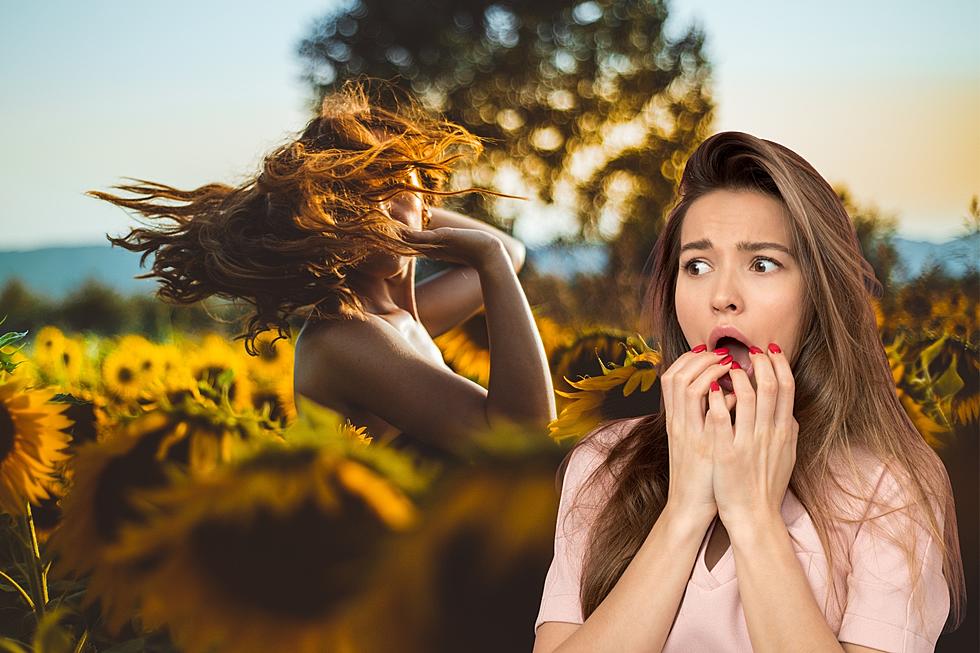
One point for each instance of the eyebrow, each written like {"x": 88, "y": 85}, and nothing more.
{"x": 742, "y": 246}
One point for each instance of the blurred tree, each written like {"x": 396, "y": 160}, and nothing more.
{"x": 590, "y": 103}
{"x": 876, "y": 233}
{"x": 95, "y": 307}
{"x": 25, "y": 311}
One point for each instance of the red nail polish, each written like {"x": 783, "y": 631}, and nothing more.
{"x": 699, "y": 349}
{"x": 715, "y": 387}
{"x": 721, "y": 351}
{"x": 725, "y": 361}
{"x": 754, "y": 350}
{"x": 774, "y": 348}
{"x": 736, "y": 366}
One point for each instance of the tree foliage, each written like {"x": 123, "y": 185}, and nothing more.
{"x": 590, "y": 103}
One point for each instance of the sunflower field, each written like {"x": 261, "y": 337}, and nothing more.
{"x": 169, "y": 496}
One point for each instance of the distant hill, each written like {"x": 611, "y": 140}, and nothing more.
{"x": 56, "y": 271}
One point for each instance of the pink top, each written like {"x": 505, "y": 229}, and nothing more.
{"x": 879, "y": 609}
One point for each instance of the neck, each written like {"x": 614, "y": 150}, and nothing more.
{"x": 381, "y": 295}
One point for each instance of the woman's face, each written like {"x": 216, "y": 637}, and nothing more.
{"x": 732, "y": 272}
{"x": 407, "y": 207}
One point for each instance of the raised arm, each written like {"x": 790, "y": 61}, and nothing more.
{"x": 367, "y": 364}
{"x": 452, "y": 296}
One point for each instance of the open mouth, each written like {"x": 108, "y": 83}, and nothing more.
{"x": 739, "y": 352}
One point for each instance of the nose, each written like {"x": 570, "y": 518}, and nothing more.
{"x": 726, "y": 295}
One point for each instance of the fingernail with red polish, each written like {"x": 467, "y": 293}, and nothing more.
{"x": 715, "y": 387}
{"x": 774, "y": 348}
{"x": 725, "y": 361}
{"x": 721, "y": 351}
{"x": 736, "y": 366}
{"x": 754, "y": 350}
{"x": 699, "y": 349}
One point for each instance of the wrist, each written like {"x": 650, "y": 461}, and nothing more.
{"x": 493, "y": 258}
{"x": 750, "y": 525}
{"x": 685, "y": 522}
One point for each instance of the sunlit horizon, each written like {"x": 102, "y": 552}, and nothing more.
{"x": 884, "y": 101}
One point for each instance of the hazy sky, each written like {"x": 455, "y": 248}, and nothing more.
{"x": 882, "y": 96}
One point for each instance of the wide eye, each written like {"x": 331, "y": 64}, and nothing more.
{"x": 688, "y": 267}
{"x": 763, "y": 259}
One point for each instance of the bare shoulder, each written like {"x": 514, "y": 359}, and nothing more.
{"x": 325, "y": 348}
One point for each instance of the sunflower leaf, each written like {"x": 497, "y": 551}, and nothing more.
{"x": 50, "y": 637}
{"x": 11, "y": 336}
{"x": 12, "y": 645}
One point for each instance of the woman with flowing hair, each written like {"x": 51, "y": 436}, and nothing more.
{"x": 329, "y": 230}
{"x": 780, "y": 499}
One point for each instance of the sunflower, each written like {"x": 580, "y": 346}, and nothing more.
{"x": 217, "y": 366}
{"x": 276, "y": 397}
{"x": 105, "y": 477}
{"x": 466, "y": 348}
{"x": 934, "y": 434}
{"x": 598, "y": 398}
{"x": 267, "y": 554}
{"x": 48, "y": 344}
{"x": 274, "y": 360}
{"x": 121, "y": 375}
{"x": 71, "y": 364}
{"x": 31, "y": 444}
{"x": 553, "y": 335}
{"x": 584, "y": 355}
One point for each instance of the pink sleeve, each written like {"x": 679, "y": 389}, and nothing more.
{"x": 881, "y": 607}
{"x": 560, "y": 600}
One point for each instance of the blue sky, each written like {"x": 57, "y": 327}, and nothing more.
{"x": 882, "y": 96}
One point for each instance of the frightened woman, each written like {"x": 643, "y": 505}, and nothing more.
{"x": 780, "y": 499}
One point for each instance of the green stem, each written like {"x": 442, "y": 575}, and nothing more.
{"x": 17, "y": 586}
{"x": 39, "y": 584}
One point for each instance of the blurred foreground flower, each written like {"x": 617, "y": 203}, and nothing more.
{"x": 270, "y": 553}
{"x": 105, "y": 477}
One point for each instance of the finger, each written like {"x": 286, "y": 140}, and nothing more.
{"x": 783, "y": 415}
{"x": 718, "y": 422}
{"x": 677, "y": 377}
{"x": 696, "y": 397}
{"x": 745, "y": 415}
{"x": 766, "y": 393}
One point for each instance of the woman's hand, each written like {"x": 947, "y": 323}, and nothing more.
{"x": 684, "y": 386}
{"x": 754, "y": 461}
{"x": 471, "y": 247}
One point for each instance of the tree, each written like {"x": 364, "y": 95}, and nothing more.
{"x": 589, "y": 102}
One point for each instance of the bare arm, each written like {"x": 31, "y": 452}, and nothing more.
{"x": 452, "y": 296}
{"x": 368, "y": 364}
{"x": 639, "y": 611}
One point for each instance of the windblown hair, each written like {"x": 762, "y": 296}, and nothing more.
{"x": 845, "y": 397}
{"x": 283, "y": 240}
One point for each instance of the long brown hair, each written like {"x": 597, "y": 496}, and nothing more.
{"x": 845, "y": 399}
{"x": 283, "y": 240}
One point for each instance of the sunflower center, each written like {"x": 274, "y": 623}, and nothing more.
{"x": 136, "y": 469}
{"x": 300, "y": 565}
{"x": 125, "y": 375}
{"x": 268, "y": 352}
{"x": 6, "y": 432}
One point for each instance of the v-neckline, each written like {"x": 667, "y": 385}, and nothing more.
{"x": 716, "y": 575}
{"x": 724, "y": 570}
